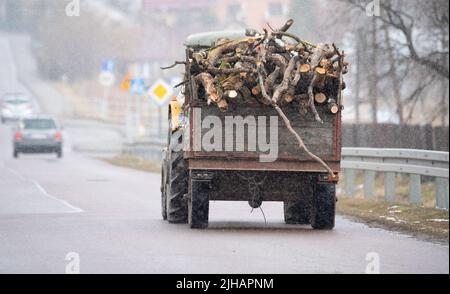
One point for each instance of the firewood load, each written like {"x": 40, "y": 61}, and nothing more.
{"x": 273, "y": 68}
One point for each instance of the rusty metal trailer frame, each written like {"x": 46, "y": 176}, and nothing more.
{"x": 287, "y": 177}
{"x": 248, "y": 160}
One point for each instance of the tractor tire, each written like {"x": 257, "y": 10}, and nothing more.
{"x": 177, "y": 188}
{"x": 163, "y": 193}
{"x": 324, "y": 206}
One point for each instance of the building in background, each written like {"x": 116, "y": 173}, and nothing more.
{"x": 251, "y": 13}
{"x": 167, "y": 23}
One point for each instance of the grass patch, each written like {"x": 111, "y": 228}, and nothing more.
{"x": 420, "y": 221}
{"x": 134, "y": 162}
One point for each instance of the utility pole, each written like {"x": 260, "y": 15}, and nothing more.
{"x": 357, "y": 97}
{"x": 374, "y": 76}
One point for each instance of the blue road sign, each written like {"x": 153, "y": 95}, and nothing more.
{"x": 108, "y": 65}
{"x": 137, "y": 86}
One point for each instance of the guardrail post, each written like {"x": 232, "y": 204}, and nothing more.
{"x": 442, "y": 193}
{"x": 389, "y": 186}
{"x": 349, "y": 177}
{"x": 415, "y": 189}
{"x": 369, "y": 184}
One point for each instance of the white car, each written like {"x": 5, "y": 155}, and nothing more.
{"x": 14, "y": 106}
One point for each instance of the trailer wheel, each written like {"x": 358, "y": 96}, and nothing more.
{"x": 176, "y": 189}
{"x": 297, "y": 212}
{"x": 198, "y": 204}
{"x": 323, "y": 206}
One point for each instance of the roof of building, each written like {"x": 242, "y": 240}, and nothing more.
{"x": 176, "y": 4}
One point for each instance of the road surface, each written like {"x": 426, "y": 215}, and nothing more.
{"x": 109, "y": 218}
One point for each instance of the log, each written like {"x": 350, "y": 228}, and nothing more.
{"x": 296, "y": 78}
{"x": 256, "y": 91}
{"x": 227, "y": 46}
{"x": 316, "y": 56}
{"x": 284, "y": 85}
{"x": 288, "y": 98}
{"x": 271, "y": 79}
{"x": 223, "y": 105}
{"x": 332, "y": 106}
{"x": 326, "y": 64}
{"x": 320, "y": 98}
{"x": 208, "y": 84}
{"x": 231, "y": 94}
{"x": 286, "y": 26}
{"x": 303, "y": 105}
{"x": 311, "y": 98}
{"x": 305, "y": 68}
{"x": 233, "y": 82}
{"x": 278, "y": 60}
{"x": 320, "y": 52}
{"x": 321, "y": 76}
{"x": 228, "y": 71}
{"x": 246, "y": 95}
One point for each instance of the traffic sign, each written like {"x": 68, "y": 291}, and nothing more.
{"x": 125, "y": 85}
{"x": 135, "y": 70}
{"x": 160, "y": 92}
{"x": 108, "y": 65}
{"x": 137, "y": 86}
{"x": 145, "y": 72}
{"x": 106, "y": 79}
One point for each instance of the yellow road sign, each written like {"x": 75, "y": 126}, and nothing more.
{"x": 160, "y": 92}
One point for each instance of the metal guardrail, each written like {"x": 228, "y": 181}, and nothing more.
{"x": 415, "y": 163}
{"x": 149, "y": 150}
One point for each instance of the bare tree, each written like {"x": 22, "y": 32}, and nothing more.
{"x": 400, "y": 58}
{"x": 408, "y": 16}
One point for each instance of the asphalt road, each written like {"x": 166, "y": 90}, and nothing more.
{"x": 110, "y": 218}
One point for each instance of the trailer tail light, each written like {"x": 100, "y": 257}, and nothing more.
{"x": 326, "y": 178}
{"x": 18, "y": 136}
{"x": 58, "y": 136}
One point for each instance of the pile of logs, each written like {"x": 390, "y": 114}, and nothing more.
{"x": 271, "y": 68}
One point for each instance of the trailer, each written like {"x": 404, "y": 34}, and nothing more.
{"x": 246, "y": 154}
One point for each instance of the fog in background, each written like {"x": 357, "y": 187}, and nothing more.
{"x": 398, "y": 57}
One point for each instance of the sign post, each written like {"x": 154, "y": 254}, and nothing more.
{"x": 160, "y": 92}
{"x": 137, "y": 90}
{"x": 106, "y": 79}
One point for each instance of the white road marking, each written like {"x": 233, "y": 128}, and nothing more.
{"x": 44, "y": 192}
